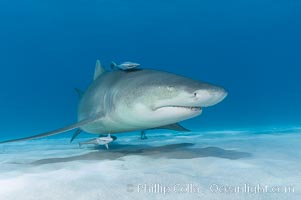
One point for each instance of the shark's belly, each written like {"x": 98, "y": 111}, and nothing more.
{"x": 105, "y": 126}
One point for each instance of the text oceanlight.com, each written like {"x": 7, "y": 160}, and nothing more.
{"x": 251, "y": 189}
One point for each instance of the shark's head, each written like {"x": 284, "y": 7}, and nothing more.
{"x": 162, "y": 98}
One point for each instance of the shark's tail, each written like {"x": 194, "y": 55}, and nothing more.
{"x": 55, "y": 132}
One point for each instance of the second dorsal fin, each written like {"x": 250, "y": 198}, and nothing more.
{"x": 99, "y": 70}
{"x": 79, "y": 92}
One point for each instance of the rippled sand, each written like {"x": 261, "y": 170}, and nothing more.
{"x": 196, "y": 165}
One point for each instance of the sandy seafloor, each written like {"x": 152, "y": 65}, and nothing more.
{"x": 206, "y": 162}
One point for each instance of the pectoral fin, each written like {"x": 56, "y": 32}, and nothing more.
{"x": 55, "y": 132}
{"x": 174, "y": 127}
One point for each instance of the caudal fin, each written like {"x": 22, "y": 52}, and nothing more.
{"x": 55, "y": 132}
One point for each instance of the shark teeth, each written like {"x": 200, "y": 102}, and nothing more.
{"x": 192, "y": 108}
{"x": 195, "y": 108}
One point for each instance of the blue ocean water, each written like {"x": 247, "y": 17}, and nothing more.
{"x": 252, "y": 48}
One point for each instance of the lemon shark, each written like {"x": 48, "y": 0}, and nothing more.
{"x": 122, "y": 101}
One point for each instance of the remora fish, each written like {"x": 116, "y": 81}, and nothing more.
{"x": 123, "y": 101}
{"x": 125, "y": 65}
{"x": 100, "y": 141}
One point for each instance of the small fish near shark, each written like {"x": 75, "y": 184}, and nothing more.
{"x": 100, "y": 141}
{"x": 121, "y": 101}
{"x": 125, "y": 65}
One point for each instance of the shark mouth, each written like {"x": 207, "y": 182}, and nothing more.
{"x": 192, "y": 108}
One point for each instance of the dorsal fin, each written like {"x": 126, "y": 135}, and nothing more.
{"x": 79, "y": 92}
{"x": 98, "y": 70}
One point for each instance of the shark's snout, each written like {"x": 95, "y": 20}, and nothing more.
{"x": 210, "y": 97}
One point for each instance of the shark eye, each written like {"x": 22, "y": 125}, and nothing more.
{"x": 195, "y": 94}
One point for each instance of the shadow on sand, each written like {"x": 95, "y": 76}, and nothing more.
{"x": 172, "y": 151}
